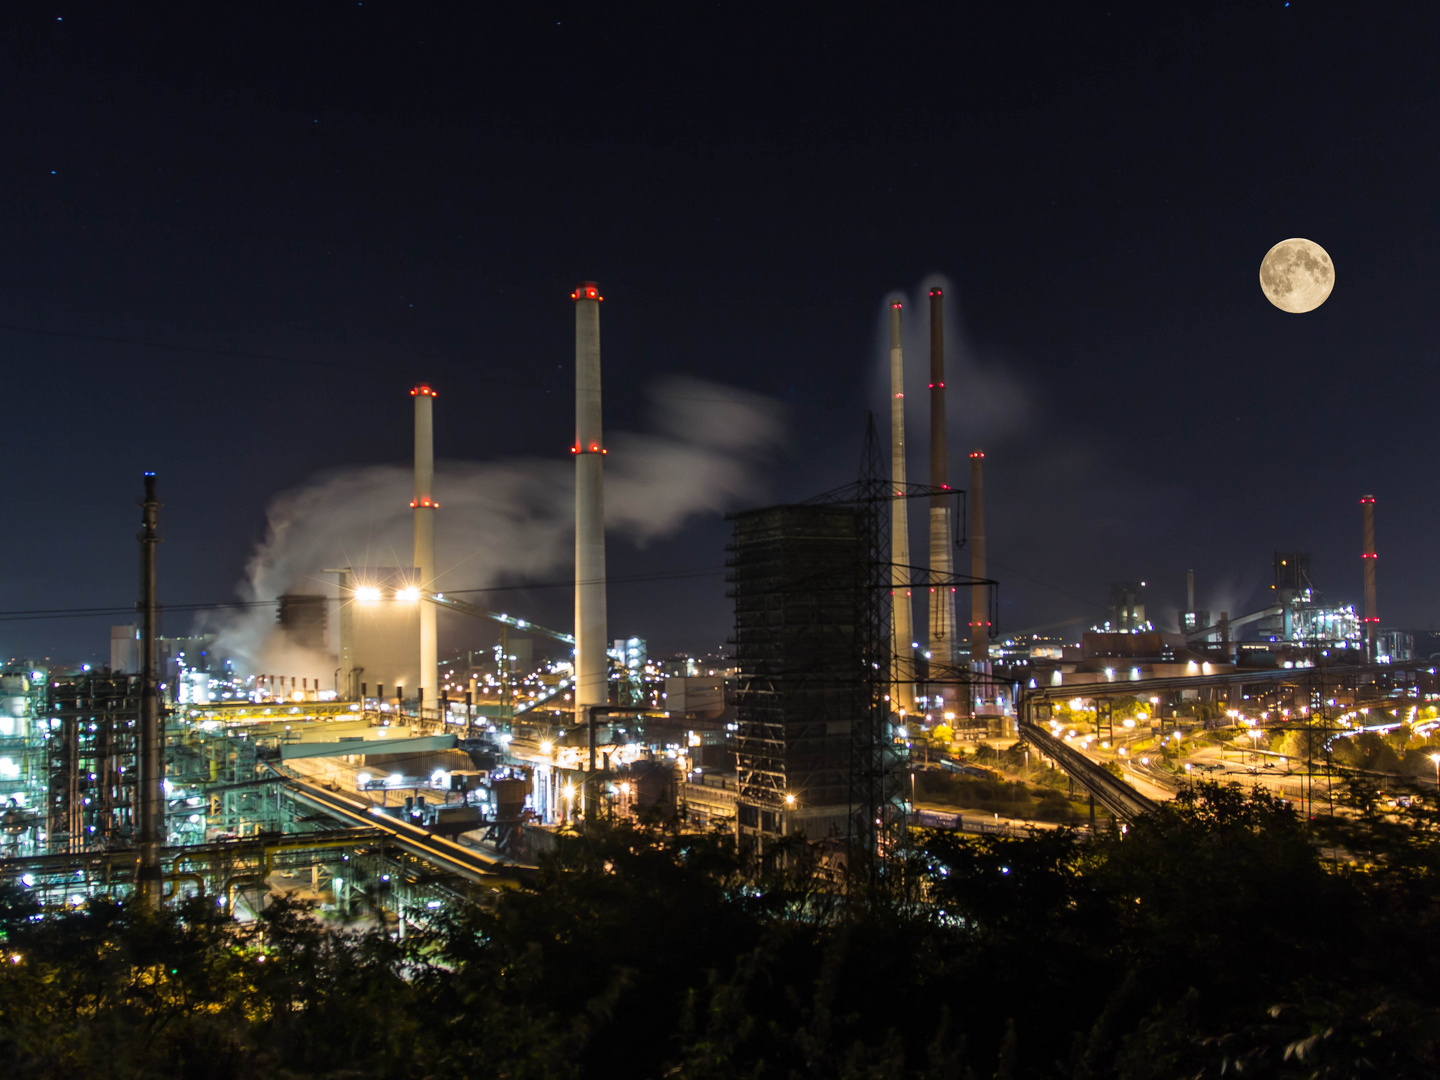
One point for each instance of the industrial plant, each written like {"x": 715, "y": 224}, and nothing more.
{"x": 382, "y": 775}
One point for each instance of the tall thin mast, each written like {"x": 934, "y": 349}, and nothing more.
{"x": 151, "y": 793}
{"x": 1372, "y": 618}
{"x": 902, "y": 641}
{"x": 942, "y": 597}
{"x": 592, "y": 666}
{"x": 424, "y": 556}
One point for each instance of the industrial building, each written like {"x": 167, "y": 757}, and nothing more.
{"x": 797, "y": 582}
{"x": 385, "y": 778}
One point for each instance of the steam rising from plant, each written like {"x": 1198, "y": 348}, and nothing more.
{"x": 504, "y": 520}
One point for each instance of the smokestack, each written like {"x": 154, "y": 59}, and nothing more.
{"x": 979, "y": 607}
{"x": 425, "y": 505}
{"x": 942, "y": 597}
{"x": 591, "y": 665}
{"x": 1372, "y": 620}
{"x": 902, "y": 641}
{"x": 1189, "y": 590}
{"x": 152, "y": 765}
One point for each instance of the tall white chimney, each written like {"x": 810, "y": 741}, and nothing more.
{"x": 902, "y": 641}
{"x": 591, "y": 664}
{"x": 942, "y": 598}
{"x": 424, "y": 505}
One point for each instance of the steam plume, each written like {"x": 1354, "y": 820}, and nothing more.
{"x": 503, "y": 520}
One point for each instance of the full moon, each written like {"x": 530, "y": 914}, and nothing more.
{"x": 1297, "y": 275}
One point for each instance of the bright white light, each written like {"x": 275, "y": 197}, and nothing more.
{"x": 546, "y": 746}
{"x": 363, "y": 778}
{"x": 409, "y": 595}
{"x": 367, "y": 594}
{"x": 395, "y": 779}
{"x": 439, "y": 778}
{"x": 9, "y": 769}
{"x": 27, "y": 879}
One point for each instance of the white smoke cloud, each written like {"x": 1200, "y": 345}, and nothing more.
{"x": 984, "y": 401}
{"x": 505, "y": 520}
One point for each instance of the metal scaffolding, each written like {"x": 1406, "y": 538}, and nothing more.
{"x": 91, "y": 752}
{"x": 811, "y": 583}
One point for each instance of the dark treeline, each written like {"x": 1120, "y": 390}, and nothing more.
{"x": 1222, "y": 937}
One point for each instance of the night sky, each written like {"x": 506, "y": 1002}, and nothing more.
{"x": 235, "y": 235}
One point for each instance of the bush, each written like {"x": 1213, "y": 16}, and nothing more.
{"x": 1366, "y": 750}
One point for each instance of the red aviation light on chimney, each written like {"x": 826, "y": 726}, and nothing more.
{"x": 586, "y": 290}
{"x": 423, "y": 391}
{"x": 429, "y": 503}
{"x": 936, "y": 292}
{"x": 977, "y": 453}
{"x": 897, "y": 305}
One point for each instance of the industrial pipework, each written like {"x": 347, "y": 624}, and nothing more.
{"x": 425, "y": 506}
{"x": 942, "y": 597}
{"x": 902, "y": 640}
{"x": 591, "y": 662}
{"x": 1367, "y": 557}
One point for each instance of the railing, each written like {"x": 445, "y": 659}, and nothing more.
{"x": 1110, "y": 791}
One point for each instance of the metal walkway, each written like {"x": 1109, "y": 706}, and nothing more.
{"x": 1109, "y": 790}
{"x": 446, "y": 855}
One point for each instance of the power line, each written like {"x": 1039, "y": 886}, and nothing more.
{"x": 1053, "y": 588}
{"x": 406, "y": 373}
{"x": 30, "y": 614}
{"x": 238, "y": 354}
